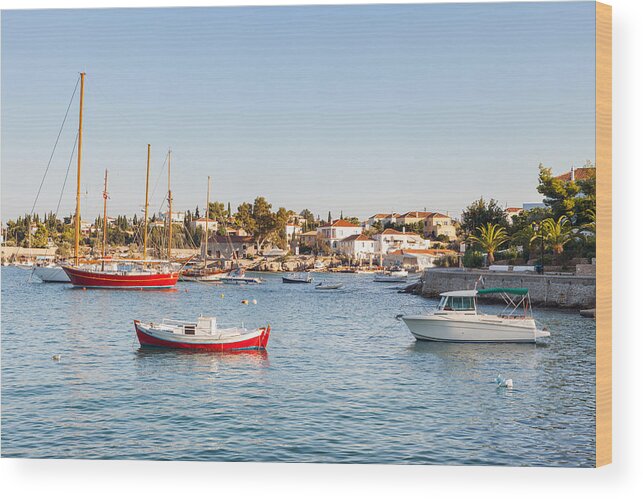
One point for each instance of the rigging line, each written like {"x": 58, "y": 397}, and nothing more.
{"x": 158, "y": 179}
{"x": 55, "y": 144}
{"x": 71, "y": 157}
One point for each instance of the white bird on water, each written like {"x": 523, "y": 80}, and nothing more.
{"x": 504, "y": 383}
{"x": 56, "y": 357}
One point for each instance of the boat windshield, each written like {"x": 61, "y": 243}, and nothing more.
{"x": 458, "y": 303}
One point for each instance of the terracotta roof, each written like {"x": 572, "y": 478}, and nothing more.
{"x": 579, "y": 174}
{"x": 385, "y": 215}
{"x": 513, "y": 210}
{"x": 417, "y": 214}
{"x": 342, "y": 223}
{"x": 357, "y": 237}
{"x": 202, "y": 219}
{"x": 438, "y": 215}
{"x": 388, "y": 232}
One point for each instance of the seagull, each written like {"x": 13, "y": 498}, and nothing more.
{"x": 504, "y": 383}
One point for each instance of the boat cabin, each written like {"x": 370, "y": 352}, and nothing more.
{"x": 458, "y": 301}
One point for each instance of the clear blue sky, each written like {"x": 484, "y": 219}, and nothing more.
{"x": 357, "y": 108}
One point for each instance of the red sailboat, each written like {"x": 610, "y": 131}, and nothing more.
{"x": 124, "y": 274}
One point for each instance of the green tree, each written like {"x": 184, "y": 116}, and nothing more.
{"x": 570, "y": 198}
{"x": 556, "y": 234}
{"x": 490, "y": 237}
{"x": 480, "y": 213}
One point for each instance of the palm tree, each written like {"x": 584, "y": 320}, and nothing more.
{"x": 556, "y": 233}
{"x": 591, "y": 225}
{"x": 491, "y": 237}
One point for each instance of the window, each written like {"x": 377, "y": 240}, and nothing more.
{"x": 459, "y": 303}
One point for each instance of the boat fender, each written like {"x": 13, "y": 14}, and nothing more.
{"x": 254, "y": 302}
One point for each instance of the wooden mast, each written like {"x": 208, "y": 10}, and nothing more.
{"x": 147, "y": 189}
{"x": 80, "y": 150}
{"x": 104, "y": 222}
{"x": 207, "y": 216}
{"x": 169, "y": 208}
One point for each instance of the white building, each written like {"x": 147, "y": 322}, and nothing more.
{"x": 292, "y": 231}
{"x": 357, "y": 246}
{"x": 178, "y": 217}
{"x": 332, "y": 233}
{"x": 383, "y": 218}
{"x": 392, "y": 240}
{"x": 213, "y": 225}
{"x": 416, "y": 259}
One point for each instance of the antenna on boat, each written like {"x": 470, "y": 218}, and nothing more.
{"x": 80, "y": 149}
{"x": 147, "y": 204}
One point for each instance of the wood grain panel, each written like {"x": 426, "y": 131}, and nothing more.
{"x": 604, "y": 234}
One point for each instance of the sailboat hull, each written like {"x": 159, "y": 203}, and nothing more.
{"x": 88, "y": 279}
{"x": 51, "y": 274}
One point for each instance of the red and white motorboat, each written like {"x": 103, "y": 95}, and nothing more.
{"x": 201, "y": 335}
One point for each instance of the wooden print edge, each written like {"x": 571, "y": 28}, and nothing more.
{"x": 603, "y": 234}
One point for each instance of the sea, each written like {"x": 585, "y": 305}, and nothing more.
{"x": 342, "y": 380}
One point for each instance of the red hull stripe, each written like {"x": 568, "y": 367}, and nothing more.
{"x": 257, "y": 343}
{"x": 85, "y": 279}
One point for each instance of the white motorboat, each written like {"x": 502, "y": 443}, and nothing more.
{"x": 51, "y": 273}
{"x": 457, "y": 319}
{"x": 238, "y": 276}
{"x": 329, "y": 286}
{"x": 393, "y": 275}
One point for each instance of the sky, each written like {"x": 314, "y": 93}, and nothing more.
{"x": 353, "y": 109}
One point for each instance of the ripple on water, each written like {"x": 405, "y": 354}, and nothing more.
{"x": 343, "y": 381}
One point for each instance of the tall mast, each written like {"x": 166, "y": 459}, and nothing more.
{"x": 80, "y": 150}
{"x": 207, "y": 216}
{"x": 104, "y": 222}
{"x": 147, "y": 189}
{"x": 169, "y": 207}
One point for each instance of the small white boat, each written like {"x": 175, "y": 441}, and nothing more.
{"x": 391, "y": 276}
{"x": 457, "y": 319}
{"x": 51, "y": 273}
{"x": 204, "y": 334}
{"x": 238, "y": 276}
{"x": 329, "y": 286}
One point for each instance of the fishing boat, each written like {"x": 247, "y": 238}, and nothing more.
{"x": 142, "y": 275}
{"x": 329, "y": 286}
{"x": 457, "y": 319}
{"x": 297, "y": 278}
{"x": 238, "y": 276}
{"x": 204, "y": 334}
{"x": 393, "y": 275}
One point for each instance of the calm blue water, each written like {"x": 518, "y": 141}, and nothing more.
{"x": 342, "y": 381}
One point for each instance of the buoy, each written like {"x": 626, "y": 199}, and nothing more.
{"x": 56, "y": 357}
{"x": 186, "y": 290}
{"x": 504, "y": 383}
{"x": 254, "y": 302}
{"x": 244, "y": 302}
{"x": 222, "y": 295}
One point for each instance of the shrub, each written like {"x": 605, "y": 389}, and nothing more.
{"x": 472, "y": 259}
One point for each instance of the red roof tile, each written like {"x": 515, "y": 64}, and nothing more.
{"x": 579, "y": 174}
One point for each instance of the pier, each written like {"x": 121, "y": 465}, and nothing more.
{"x": 548, "y": 290}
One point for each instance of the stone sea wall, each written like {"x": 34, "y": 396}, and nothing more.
{"x": 567, "y": 291}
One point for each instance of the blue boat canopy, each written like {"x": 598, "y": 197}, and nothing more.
{"x": 511, "y": 291}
